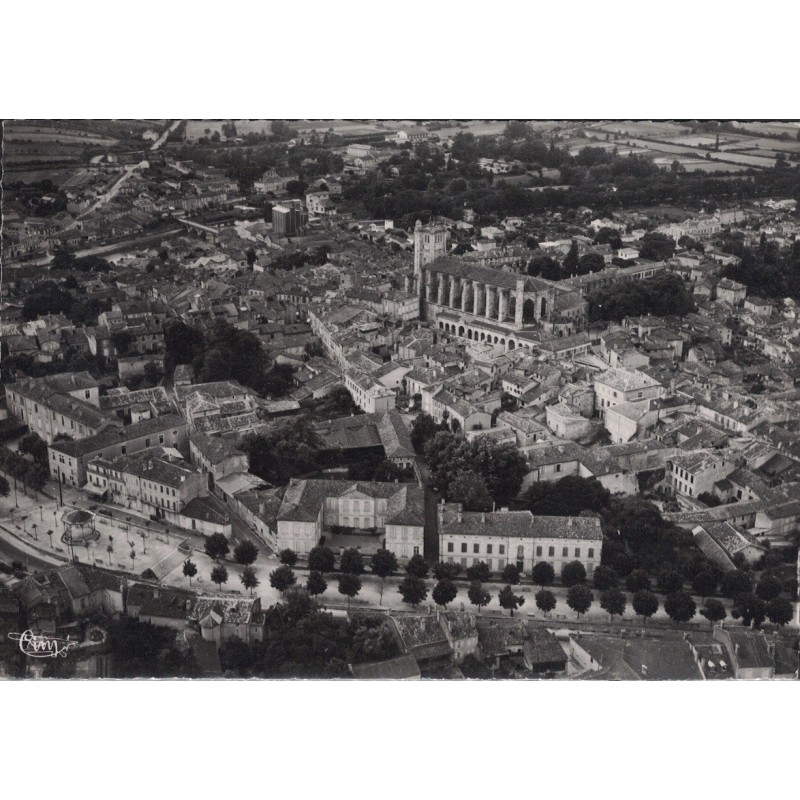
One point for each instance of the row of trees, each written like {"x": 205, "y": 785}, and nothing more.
{"x": 31, "y": 474}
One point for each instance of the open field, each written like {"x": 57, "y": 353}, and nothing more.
{"x": 36, "y": 133}
{"x": 774, "y": 128}
{"x": 343, "y": 126}
{"x": 662, "y": 130}
{"x": 760, "y": 144}
{"x": 699, "y": 164}
{"x": 196, "y": 128}
{"x": 58, "y": 176}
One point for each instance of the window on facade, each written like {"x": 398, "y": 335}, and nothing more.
{"x": 463, "y": 562}
{"x": 476, "y": 548}
{"x": 147, "y": 443}
{"x": 558, "y": 467}
{"x": 449, "y": 547}
{"x": 539, "y": 550}
{"x": 463, "y": 547}
{"x": 551, "y": 551}
{"x": 577, "y": 552}
{"x": 161, "y": 438}
{"x": 488, "y": 549}
{"x": 565, "y": 552}
{"x": 591, "y": 552}
{"x": 124, "y": 450}
{"x": 502, "y": 549}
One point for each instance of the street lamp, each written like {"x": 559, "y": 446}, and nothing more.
{"x": 41, "y": 518}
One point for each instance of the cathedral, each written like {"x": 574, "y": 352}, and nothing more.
{"x": 484, "y": 304}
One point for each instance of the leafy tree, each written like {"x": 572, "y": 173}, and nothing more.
{"x": 664, "y": 294}
{"x": 217, "y": 546}
{"x": 316, "y": 584}
{"x": 509, "y": 600}
{"x": 36, "y": 476}
{"x": 417, "y": 566}
{"x": 610, "y": 237}
{"x": 780, "y": 611}
{"x": 33, "y": 445}
{"x": 413, "y": 590}
{"x": 711, "y": 500}
{"x": 605, "y": 578}
{"x": 245, "y": 552}
{"x": 571, "y": 259}
{"x": 249, "y": 579}
{"x": 219, "y": 575}
{"x": 657, "y": 247}
{"x": 5, "y": 487}
{"x": 371, "y": 641}
{"x": 384, "y": 563}
{"x": 704, "y": 583}
{"x": 545, "y": 601}
{"x": 287, "y": 557}
{"x": 637, "y": 580}
{"x": 768, "y": 588}
{"x": 478, "y": 596}
{"x": 714, "y": 611}
{"x": 282, "y": 578}
{"x": 442, "y": 570}
{"x": 568, "y": 496}
{"x": 500, "y": 466}
{"x": 321, "y": 559}
{"x": 469, "y": 489}
{"x": 680, "y": 606}
{"x": 751, "y": 609}
{"x": 736, "y": 582}
{"x": 645, "y": 604}
{"x": 579, "y": 598}
{"x": 189, "y": 569}
{"x": 279, "y": 380}
{"x": 351, "y": 561}
{"x": 573, "y": 573}
{"x": 543, "y": 574}
{"x": 444, "y": 592}
{"x": 423, "y": 429}
{"x": 613, "y": 601}
{"x": 479, "y": 572}
{"x": 590, "y": 262}
{"x": 510, "y": 574}
{"x": 669, "y": 581}
{"x": 349, "y": 586}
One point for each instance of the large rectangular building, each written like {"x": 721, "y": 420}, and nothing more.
{"x": 288, "y": 219}
{"x": 68, "y": 460}
{"x": 504, "y": 537}
{"x": 154, "y": 482}
{"x": 68, "y": 403}
{"x": 366, "y": 515}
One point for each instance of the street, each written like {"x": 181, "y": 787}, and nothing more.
{"x": 23, "y": 537}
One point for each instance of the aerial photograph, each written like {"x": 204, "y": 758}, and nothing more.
{"x": 357, "y": 399}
